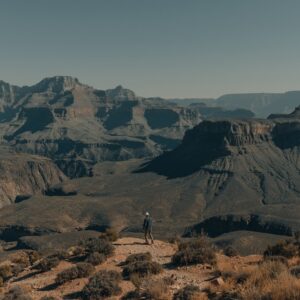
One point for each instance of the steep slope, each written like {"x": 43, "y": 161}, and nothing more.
{"x": 22, "y": 175}
{"x": 77, "y": 125}
{"x": 225, "y": 176}
{"x": 250, "y": 172}
{"x": 208, "y": 112}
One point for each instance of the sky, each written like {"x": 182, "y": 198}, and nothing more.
{"x": 167, "y": 48}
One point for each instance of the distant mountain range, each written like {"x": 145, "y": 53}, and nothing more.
{"x": 195, "y": 168}
{"x": 77, "y": 125}
{"x": 261, "y": 104}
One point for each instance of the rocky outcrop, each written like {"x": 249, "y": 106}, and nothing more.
{"x": 248, "y": 168}
{"x": 23, "y": 175}
{"x": 211, "y": 140}
{"x": 66, "y": 120}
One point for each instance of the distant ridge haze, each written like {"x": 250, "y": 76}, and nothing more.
{"x": 261, "y": 104}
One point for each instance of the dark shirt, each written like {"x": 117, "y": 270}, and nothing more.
{"x": 147, "y": 224}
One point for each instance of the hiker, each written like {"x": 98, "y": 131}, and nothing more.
{"x": 147, "y": 226}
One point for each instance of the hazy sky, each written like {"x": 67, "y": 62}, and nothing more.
{"x": 169, "y": 48}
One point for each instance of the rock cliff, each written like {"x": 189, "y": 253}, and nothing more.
{"x": 75, "y": 124}
{"x": 23, "y": 175}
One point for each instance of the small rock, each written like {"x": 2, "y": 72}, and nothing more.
{"x": 218, "y": 281}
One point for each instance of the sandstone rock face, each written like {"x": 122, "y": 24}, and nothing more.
{"x": 75, "y": 124}
{"x": 22, "y": 175}
{"x": 248, "y": 173}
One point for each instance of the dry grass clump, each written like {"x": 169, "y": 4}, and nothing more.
{"x": 33, "y": 256}
{"x": 100, "y": 245}
{"x": 277, "y": 258}
{"x": 190, "y": 292}
{"x": 21, "y": 258}
{"x": 25, "y": 258}
{"x": 6, "y": 271}
{"x": 295, "y": 271}
{"x": 288, "y": 249}
{"x": 46, "y": 264}
{"x": 76, "y": 251}
{"x": 268, "y": 280}
{"x": 95, "y": 258}
{"x": 198, "y": 251}
{"x": 102, "y": 284}
{"x": 16, "y": 293}
{"x": 169, "y": 280}
{"x": 81, "y": 270}
{"x": 154, "y": 290}
{"x": 111, "y": 234}
{"x": 145, "y": 256}
{"x": 140, "y": 265}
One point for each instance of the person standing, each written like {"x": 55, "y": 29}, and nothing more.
{"x": 147, "y": 227}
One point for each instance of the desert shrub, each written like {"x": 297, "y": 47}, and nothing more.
{"x": 230, "y": 251}
{"x": 141, "y": 268}
{"x": 189, "y": 292}
{"x": 140, "y": 265}
{"x": 267, "y": 270}
{"x": 1, "y": 282}
{"x": 60, "y": 255}
{"x": 17, "y": 269}
{"x": 102, "y": 284}
{"x": 155, "y": 290}
{"x": 136, "y": 280}
{"x": 21, "y": 258}
{"x": 295, "y": 271}
{"x": 169, "y": 280}
{"x": 132, "y": 295}
{"x": 6, "y": 272}
{"x": 78, "y": 250}
{"x": 33, "y": 256}
{"x": 138, "y": 257}
{"x": 112, "y": 234}
{"x": 287, "y": 249}
{"x": 95, "y": 258}
{"x": 277, "y": 258}
{"x": 99, "y": 245}
{"x": 81, "y": 270}
{"x": 46, "y": 264}
{"x": 269, "y": 280}
{"x": 198, "y": 251}
{"x": 16, "y": 293}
